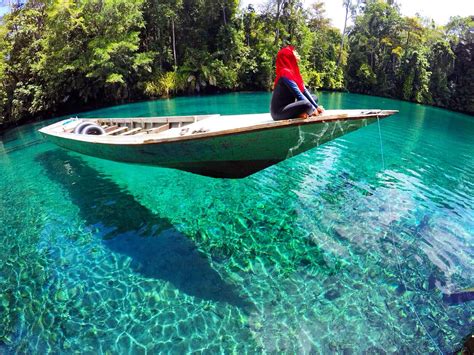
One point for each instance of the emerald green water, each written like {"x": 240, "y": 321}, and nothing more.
{"x": 332, "y": 251}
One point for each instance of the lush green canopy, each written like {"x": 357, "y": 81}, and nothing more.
{"x": 66, "y": 55}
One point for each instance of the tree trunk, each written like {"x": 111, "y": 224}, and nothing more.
{"x": 223, "y": 14}
{"x": 343, "y": 34}
{"x": 277, "y": 32}
{"x": 174, "y": 45}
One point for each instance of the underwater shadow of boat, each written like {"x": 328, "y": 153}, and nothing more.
{"x": 157, "y": 249}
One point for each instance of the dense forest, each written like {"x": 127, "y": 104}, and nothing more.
{"x": 66, "y": 55}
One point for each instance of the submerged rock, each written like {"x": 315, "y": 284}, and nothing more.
{"x": 332, "y": 294}
{"x": 62, "y": 296}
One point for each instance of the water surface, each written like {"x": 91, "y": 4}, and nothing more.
{"x": 349, "y": 247}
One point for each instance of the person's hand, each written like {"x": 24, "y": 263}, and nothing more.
{"x": 315, "y": 113}
{"x": 320, "y": 109}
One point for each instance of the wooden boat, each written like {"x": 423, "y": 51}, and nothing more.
{"x": 211, "y": 145}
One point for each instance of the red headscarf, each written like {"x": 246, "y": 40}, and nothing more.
{"x": 287, "y": 66}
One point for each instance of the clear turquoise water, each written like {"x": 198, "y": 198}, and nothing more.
{"x": 332, "y": 251}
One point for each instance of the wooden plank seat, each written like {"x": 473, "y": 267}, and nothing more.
{"x": 109, "y": 132}
{"x": 150, "y": 120}
{"x": 130, "y": 132}
{"x": 155, "y": 130}
{"x": 109, "y": 128}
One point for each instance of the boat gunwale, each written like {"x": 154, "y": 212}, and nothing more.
{"x": 204, "y": 135}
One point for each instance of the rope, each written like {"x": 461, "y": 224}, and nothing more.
{"x": 412, "y": 307}
{"x": 381, "y": 145}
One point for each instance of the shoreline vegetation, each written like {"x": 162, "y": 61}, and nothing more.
{"x": 61, "y": 57}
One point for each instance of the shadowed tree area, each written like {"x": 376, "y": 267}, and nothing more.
{"x": 65, "y": 56}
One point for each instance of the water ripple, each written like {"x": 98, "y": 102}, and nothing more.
{"x": 331, "y": 251}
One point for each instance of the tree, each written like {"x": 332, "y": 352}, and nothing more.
{"x": 23, "y": 88}
{"x": 256, "y": 70}
{"x": 4, "y": 51}
{"x": 461, "y": 33}
{"x": 374, "y": 54}
{"x": 349, "y": 6}
{"x": 441, "y": 60}
{"x": 324, "y": 52}
{"x": 415, "y": 78}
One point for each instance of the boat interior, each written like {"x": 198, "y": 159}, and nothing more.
{"x": 138, "y": 126}
{"x": 162, "y": 127}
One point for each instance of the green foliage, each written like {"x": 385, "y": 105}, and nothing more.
{"x": 62, "y": 55}
{"x": 403, "y": 57}
{"x": 163, "y": 85}
{"x": 461, "y": 80}
{"x": 416, "y": 78}
{"x": 374, "y": 56}
{"x": 22, "y": 87}
{"x": 441, "y": 58}
{"x": 324, "y": 52}
{"x": 67, "y": 52}
{"x": 97, "y": 43}
{"x": 366, "y": 77}
{"x": 4, "y": 50}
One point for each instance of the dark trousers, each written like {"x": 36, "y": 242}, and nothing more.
{"x": 292, "y": 110}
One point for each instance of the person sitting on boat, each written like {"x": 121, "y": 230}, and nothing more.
{"x": 290, "y": 97}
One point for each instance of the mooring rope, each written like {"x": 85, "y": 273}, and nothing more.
{"x": 412, "y": 306}
{"x": 381, "y": 145}
{"x": 398, "y": 259}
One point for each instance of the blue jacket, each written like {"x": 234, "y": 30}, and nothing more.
{"x": 306, "y": 95}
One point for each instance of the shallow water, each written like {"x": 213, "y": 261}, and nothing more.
{"x": 341, "y": 249}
